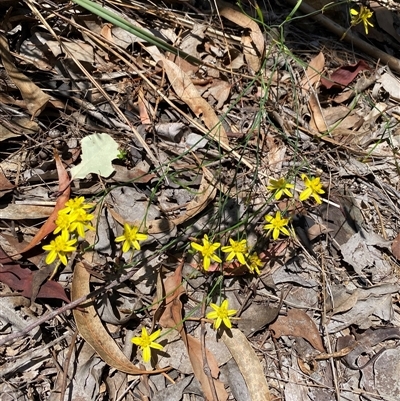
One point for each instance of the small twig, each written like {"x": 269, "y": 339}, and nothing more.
{"x": 51, "y": 315}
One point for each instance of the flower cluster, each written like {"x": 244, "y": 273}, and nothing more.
{"x": 313, "y": 187}
{"x": 276, "y": 225}
{"x": 237, "y": 250}
{"x": 71, "y": 223}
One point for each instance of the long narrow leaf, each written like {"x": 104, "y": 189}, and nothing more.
{"x": 140, "y": 33}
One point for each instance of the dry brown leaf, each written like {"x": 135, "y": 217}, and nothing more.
{"x": 313, "y": 73}
{"x": 17, "y": 126}
{"x": 136, "y": 175}
{"x": 34, "y": 97}
{"x": 65, "y": 190}
{"x": 5, "y": 185}
{"x": 298, "y": 324}
{"x": 253, "y": 45}
{"x": 172, "y": 318}
{"x": 206, "y": 194}
{"x": 187, "y": 92}
{"x": 312, "y": 76}
{"x": 249, "y": 364}
{"x": 22, "y": 211}
{"x": 173, "y": 289}
{"x": 316, "y": 230}
{"x": 317, "y": 119}
{"x": 196, "y": 359}
{"x": 143, "y": 108}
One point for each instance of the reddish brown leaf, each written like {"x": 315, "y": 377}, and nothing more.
{"x": 344, "y": 75}
{"x": 5, "y": 185}
{"x": 298, "y": 324}
{"x": 65, "y": 190}
{"x": 172, "y": 314}
{"x": 396, "y": 247}
{"x": 19, "y": 279}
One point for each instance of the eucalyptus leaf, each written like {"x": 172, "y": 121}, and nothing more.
{"x": 98, "y": 151}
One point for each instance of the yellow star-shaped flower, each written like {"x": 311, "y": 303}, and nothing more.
{"x": 221, "y": 314}
{"x": 145, "y": 342}
{"x": 276, "y": 225}
{"x": 207, "y": 250}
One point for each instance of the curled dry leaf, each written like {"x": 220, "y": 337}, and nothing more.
{"x": 313, "y": 73}
{"x": 344, "y": 75}
{"x": 35, "y": 99}
{"x": 187, "y": 92}
{"x": 364, "y": 343}
{"x": 254, "y": 45}
{"x": 312, "y": 76}
{"x": 19, "y": 279}
{"x": 298, "y": 324}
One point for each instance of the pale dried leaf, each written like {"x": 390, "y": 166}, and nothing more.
{"x": 249, "y": 364}
{"x": 298, "y": 324}
{"x": 98, "y": 151}
{"x": 317, "y": 119}
{"x": 251, "y": 43}
{"x": 313, "y": 73}
{"x": 20, "y": 212}
{"x": 391, "y": 85}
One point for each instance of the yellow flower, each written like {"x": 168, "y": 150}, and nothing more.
{"x": 277, "y": 225}
{"x": 131, "y": 238}
{"x": 146, "y": 342}
{"x": 221, "y": 314}
{"x": 59, "y": 247}
{"x": 313, "y": 188}
{"x": 237, "y": 250}
{"x": 280, "y": 187}
{"x": 63, "y": 223}
{"x": 208, "y": 251}
{"x": 75, "y": 204}
{"x": 363, "y": 16}
{"x": 253, "y": 263}
{"x": 80, "y": 220}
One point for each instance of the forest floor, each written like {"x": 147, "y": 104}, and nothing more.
{"x": 199, "y": 201}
